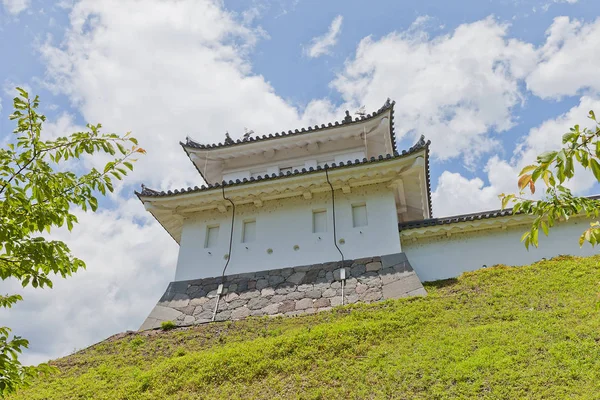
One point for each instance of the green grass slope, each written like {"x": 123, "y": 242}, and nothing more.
{"x": 498, "y": 333}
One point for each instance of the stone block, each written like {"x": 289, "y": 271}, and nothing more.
{"x": 296, "y": 278}
{"x": 249, "y": 294}
{"x": 179, "y": 300}
{"x": 305, "y": 287}
{"x": 188, "y": 310}
{"x": 287, "y": 272}
{"x": 267, "y": 292}
{"x": 278, "y": 298}
{"x": 357, "y": 270}
{"x": 251, "y": 284}
{"x": 370, "y": 279}
{"x": 351, "y": 298}
{"x": 223, "y": 315}
{"x": 323, "y": 302}
{"x": 192, "y": 289}
{"x": 257, "y": 313}
{"x": 233, "y": 287}
{"x": 287, "y": 306}
{"x": 336, "y": 285}
{"x": 303, "y": 268}
{"x": 271, "y": 309}
{"x": 335, "y": 301}
{"x": 350, "y": 283}
{"x": 231, "y": 296}
{"x": 391, "y": 260}
{"x": 203, "y": 315}
{"x": 164, "y": 313}
{"x": 241, "y": 312}
{"x": 188, "y": 319}
{"x": 261, "y": 284}
{"x": 371, "y": 296}
{"x": 329, "y": 293}
{"x": 257, "y": 303}
{"x": 285, "y": 288}
{"x": 237, "y": 303}
{"x": 402, "y": 287}
{"x": 373, "y": 266}
{"x": 303, "y": 304}
{"x": 276, "y": 280}
{"x": 295, "y": 295}
{"x": 313, "y": 294}
{"x": 242, "y": 286}
{"x": 361, "y": 288}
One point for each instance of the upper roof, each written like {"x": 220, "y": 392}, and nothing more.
{"x": 388, "y": 105}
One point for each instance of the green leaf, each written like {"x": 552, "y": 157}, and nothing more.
{"x": 547, "y": 157}
{"x": 544, "y": 227}
{"x": 595, "y": 168}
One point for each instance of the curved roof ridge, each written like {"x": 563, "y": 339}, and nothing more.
{"x": 389, "y": 104}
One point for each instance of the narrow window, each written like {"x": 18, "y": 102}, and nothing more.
{"x": 212, "y": 236}
{"x": 319, "y": 221}
{"x": 249, "y": 231}
{"x": 359, "y": 215}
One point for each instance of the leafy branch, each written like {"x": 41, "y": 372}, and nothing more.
{"x": 34, "y": 198}
{"x": 581, "y": 146}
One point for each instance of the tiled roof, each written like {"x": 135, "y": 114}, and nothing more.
{"x": 462, "y": 218}
{"x": 420, "y": 145}
{"x": 190, "y": 143}
{"x": 453, "y": 219}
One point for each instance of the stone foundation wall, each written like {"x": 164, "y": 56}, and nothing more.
{"x": 287, "y": 291}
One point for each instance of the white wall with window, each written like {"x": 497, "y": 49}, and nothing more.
{"x": 290, "y": 232}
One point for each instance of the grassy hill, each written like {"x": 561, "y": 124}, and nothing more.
{"x": 498, "y": 333}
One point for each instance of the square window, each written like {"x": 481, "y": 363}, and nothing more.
{"x": 319, "y": 221}
{"x": 212, "y": 236}
{"x": 249, "y": 231}
{"x": 285, "y": 170}
{"x": 359, "y": 215}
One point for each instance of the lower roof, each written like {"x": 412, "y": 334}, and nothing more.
{"x": 478, "y": 216}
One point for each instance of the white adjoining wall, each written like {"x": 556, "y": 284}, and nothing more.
{"x": 444, "y": 257}
{"x": 282, "y": 225}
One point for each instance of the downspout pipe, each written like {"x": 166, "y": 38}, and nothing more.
{"x": 220, "y": 288}
{"x": 334, "y": 228}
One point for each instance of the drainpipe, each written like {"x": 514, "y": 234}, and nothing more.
{"x": 343, "y": 270}
{"x": 220, "y": 288}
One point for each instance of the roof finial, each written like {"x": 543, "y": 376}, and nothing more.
{"x": 361, "y": 112}
{"x": 247, "y": 133}
{"x": 228, "y": 139}
{"x": 348, "y": 118}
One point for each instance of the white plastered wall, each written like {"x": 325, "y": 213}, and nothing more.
{"x": 283, "y": 224}
{"x": 443, "y": 257}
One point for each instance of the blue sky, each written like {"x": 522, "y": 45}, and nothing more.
{"x": 491, "y": 83}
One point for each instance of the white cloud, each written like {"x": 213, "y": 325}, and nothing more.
{"x": 15, "y": 7}
{"x": 456, "y": 194}
{"x": 568, "y": 60}
{"x": 322, "y": 45}
{"x": 456, "y": 89}
{"x": 170, "y": 70}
